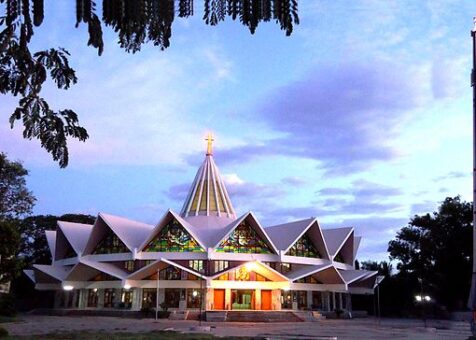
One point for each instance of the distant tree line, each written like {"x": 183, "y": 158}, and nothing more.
{"x": 23, "y": 72}
{"x": 22, "y": 236}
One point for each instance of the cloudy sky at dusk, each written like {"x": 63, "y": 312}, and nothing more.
{"x": 362, "y": 117}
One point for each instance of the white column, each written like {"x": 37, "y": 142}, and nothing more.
{"x": 136, "y": 299}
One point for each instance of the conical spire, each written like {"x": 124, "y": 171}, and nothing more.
{"x": 208, "y": 195}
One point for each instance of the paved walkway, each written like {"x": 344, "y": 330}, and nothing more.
{"x": 325, "y": 329}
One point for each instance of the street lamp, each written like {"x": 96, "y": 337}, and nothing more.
{"x": 472, "y": 293}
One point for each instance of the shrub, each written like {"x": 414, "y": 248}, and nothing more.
{"x": 7, "y": 305}
{"x": 3, "y": 332}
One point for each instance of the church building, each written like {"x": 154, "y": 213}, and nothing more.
{"x": 205, "y": 254}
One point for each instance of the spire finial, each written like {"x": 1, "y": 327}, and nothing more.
{"x": 209, "y": 140}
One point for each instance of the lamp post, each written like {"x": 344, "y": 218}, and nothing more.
{"x": 157, "y": 296}
{"x": 472, "y": 293}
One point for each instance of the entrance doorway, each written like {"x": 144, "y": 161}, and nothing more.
{"x": 219, "y": 299}
{"x": 266, "y": 300}
{"x": 242, "y": 299}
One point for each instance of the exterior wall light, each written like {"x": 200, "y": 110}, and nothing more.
{"x": 127, "y": 287}
{"x": 68, "y": 288}
{"x": 250, "y": 266}
{"x": 195, "y": 293}
{"x": 418, "y": 298}
{"x": 427, "y": 298}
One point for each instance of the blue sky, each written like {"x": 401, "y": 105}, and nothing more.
{"x": 362, "y": 117}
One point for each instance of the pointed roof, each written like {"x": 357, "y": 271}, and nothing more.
{"x": 287, "y": 234}
{"x": 166, "y": 219}
{"x": 57, "y": 272}
{"x": 84, "y": 269}
{"x": 30, "y": 273}
{"x": 160, "y": 264}
{"x": 132, "y": 233}
{"x": 357, "y": 240}
{"x": 306, "y": 271}
{"x": 354, "y": 275}
{"x": 51, "y": 240}
{"x": 284, "y": 235}
{"x": 335, "y": 238}
{"x": 77, "y": 234}
{"x": 208, "y": 195}
{"x": 255, "y": 225}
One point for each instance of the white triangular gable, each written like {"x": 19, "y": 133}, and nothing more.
{"x": 346, "y": 249}
{"x": 85, "y": 270}
{"x": 132, "y": 233}
{"x": 160, "y": 264}
{"x": 77, "y": 234}
{"x": 306, "y": 271}
{"x": 335, "y": 239}
{"x": 357, "y": 240}
{"x": 317, "y": 238}
{"x": 254, "y": 223}
{"x": 62, "y": 246}
{"x": 100, "y": 230}
{"x": 259, "y": 268}
{"x": 56, "y": 272}
{"x": 168, "y": 216}
{"x": 51, "y": 240}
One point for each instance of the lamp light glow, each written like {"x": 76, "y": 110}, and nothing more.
{"x": 68, "y": 288}
{"x": 127, "y": 287}
{"x": 250, "y": 266}
{"x": 195, "y": 293}
{"x": 418, "y": 298}
{"x": 427, "y": 298}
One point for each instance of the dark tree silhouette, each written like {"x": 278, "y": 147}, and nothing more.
{"x": 23, "y": 73}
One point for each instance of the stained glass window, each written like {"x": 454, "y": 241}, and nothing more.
{"x": 244, "y": 239}
{"x": 304, "y": 247}
{"x": 173, "y": 238}
{"x": 111, "y": 244}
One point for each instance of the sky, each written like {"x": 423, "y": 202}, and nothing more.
{"x": 361, "y": 118}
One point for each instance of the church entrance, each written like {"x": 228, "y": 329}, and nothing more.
{"x": 266, "y": 300}
{"x": 242, "y": 299}
{"x": 219, "y": 299}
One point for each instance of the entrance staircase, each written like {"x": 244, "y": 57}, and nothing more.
{"x": 253, "y": 316}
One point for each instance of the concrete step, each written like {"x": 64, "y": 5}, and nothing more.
{"x": 216, "y": 316}
{"x": 250, "y": 316}
{"x": 309, "y": 316}
{"x": 179, "y": 315}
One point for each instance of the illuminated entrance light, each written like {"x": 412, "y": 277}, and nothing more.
{"x": 250, "y": 266}
{"x": 195, "y": 293}
{"x": 68, "y": 288}
{"x": 127, "y": 287}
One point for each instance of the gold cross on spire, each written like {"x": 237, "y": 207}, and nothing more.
{"x": 209, "y": 140}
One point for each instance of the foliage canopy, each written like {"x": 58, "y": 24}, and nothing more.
{"x": 435, "y": 252}
{"x": 23, "y": 72}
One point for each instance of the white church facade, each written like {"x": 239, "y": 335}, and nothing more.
{"x": 203, "y": 255}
